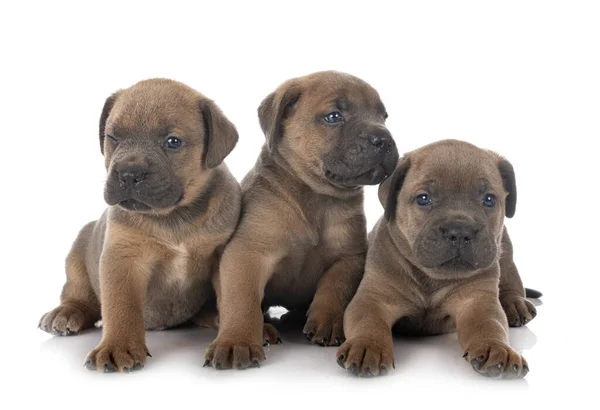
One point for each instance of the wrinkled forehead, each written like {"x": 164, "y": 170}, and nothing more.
{"x": 346, "y": 93}
{"x": 455, "y": 171}
{"x": 150, "y": 109}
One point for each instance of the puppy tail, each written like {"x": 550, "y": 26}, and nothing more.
{"x": 532, "y": 293}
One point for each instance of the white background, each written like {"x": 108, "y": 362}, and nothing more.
{"x": 519, "y": 77}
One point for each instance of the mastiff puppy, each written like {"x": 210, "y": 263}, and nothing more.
{"x": 149, "y": 261}
{"x": 434, "y": 263}
{"x": 301, "y": 240}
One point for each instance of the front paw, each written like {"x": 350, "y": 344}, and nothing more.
{"x": 121, "y": 356}
{"x": 234, "y": 353}
{"x": 364, "y": 357}
{"x": 496, "y": 359}
{"x": 65, "y": 320}
{"x": 519, "y": 311}
{"x": 324, "y": 329}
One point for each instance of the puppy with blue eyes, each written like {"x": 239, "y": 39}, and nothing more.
{"x": 149, "y": 261}
{"x": 439, "y": 261}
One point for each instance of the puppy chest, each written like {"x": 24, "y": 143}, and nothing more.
{"x": 426, "y": 322}
{"x": 183, "y": 263}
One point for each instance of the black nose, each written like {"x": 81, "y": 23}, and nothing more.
{"x": 381, "y": 141}
{"x": 459, "y": 233}
{"x": 131, "y": 176}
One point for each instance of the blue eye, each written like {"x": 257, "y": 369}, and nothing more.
{"x": 424, "y": 199}
{"x": 489, "y": 200}
{"x": 333, "y": 117}
{"x": 173, "y": 143}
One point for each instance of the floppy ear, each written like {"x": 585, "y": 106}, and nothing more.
{"x": 510, "y": 185}
{"x": 108, "y": 104}
{"x": 390, "y": 187}
{"x": 272, "y": 111}
{"x": 220, "y": 135}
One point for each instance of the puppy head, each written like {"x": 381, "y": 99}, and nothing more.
{"x": 330, "y": 127}
{"x": 160, "y": 139}
{"x": 448, "y": 201}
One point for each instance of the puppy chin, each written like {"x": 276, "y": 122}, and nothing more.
{"x": 455, "y": 268}
{"x": 137, "y": 205}
{"x": 372, "y": 177}
{"x": 132, "y": 205}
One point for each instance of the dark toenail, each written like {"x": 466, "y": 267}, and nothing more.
{"x": 515, "y": 368}
{"x": 206, "y": 363}
{"x": 383, "y": 370}
{"x": 465, "y": 356}
{"x": 279, "y": 341}
{"x": 494, "y": 371}
{"x": 477, "y": 362}
{"x": 367, "y": 372}
{"x": 88, "y": 365}
{"x": 525, "y": 370}
{"x": 218, "y": 366}
{"x": 354, "y": 368}
{"x": 108, "y": 369}
{"x": 126, "y": 370}
{"x": 138, "y": 366}
{"x": 148, "y": 354}
{"x": 255, "y": 363}
{"x": 340, "y": 360}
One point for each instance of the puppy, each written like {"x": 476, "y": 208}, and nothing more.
{"x": 301, "y": 240}
{"x": 148, "y": 262}
{"x": 434, "y": 262}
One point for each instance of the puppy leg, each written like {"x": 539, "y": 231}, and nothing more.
{"x": 483, "y": 334}
{"x": 369, "y": 348}
{"x": 519, "y": 311}
{"x": 79, "y": 307}
{"x": 243, "y": 275}
{"x": 325, "y": 317}
{"x": 210, "y": 319}
{"x": 124, "y": 275}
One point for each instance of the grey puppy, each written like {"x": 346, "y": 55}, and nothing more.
{"x": 436, "y": 262}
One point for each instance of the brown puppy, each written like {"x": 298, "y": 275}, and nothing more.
{"x": 301, "y": 240}
{"x": 148, "y": 262}
{"x": 433, "y": 264}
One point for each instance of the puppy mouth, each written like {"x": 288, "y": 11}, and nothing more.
{"x": 371, "y": 177}
{"x": 457, "y": 264}
{"x": 135, "y": 205}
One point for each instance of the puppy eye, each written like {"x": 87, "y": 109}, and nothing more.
{"x": 424, "y": 199}
{"x": 489, "y": 200}
{"x": 112, "y": 139}
{"x": 173, "y": 143}
{"x": 333, "y": 117}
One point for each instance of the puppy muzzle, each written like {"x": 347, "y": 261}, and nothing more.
{"x": 366, "y": 160}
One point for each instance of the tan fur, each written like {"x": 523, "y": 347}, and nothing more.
{"x": 301, "y": 241}
{"x": 398, "y": 291}
{"x": 152, "y": 269}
